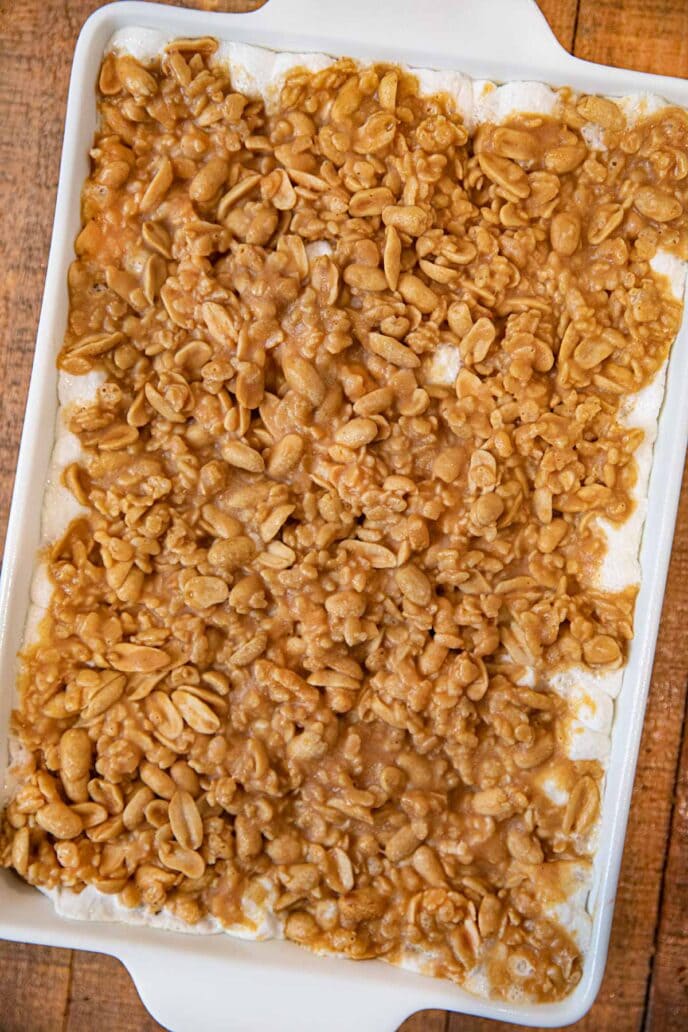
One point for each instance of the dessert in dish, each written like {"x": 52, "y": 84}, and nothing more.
{"x": 357, "y": 402}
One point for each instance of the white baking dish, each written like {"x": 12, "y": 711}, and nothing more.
{"x": 210, "y": 983}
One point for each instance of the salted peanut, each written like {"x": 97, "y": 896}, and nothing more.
{"x": 270, "y": 527}
{"x": 135, "y": 78}
{"x": 582, "y": 807}
{"x": 109, "y": 82}
{"x": 489, "y": 915}
{"x": 459, "y": 318}
{"x": 565, "y": 158}
{"x": 416, "y": 293}
{"x": 156, "y": 812}
{"x": 533, "y": 755}
{"x": 250, "y": 650}
{"x": 524, "y": 847}
{"x": 387, "y": 90}
{"x": 219, "y": 322}
{"x": 592, "y": 352}
{"x": 476, "y": 343}
{"x": 60, "y": 821}
{"x": 112, "y": 688}
{"x": 163, "y": 715}
{"x": 505, "y": 174}
{"x": 107, "y": 794}
{"x": 345, "y": 603}
{"x": 402, "y": 844}
{"x": 406, "y": 218}
{"x": 158, "y": 186}
{"x": 241, "y": 455}
{"x": 20, "y": 851}
{"x": 603, "y": 221}
{"x": 206, "y": 45}
{"x": 185, "y": 777}
{"x": 95, "y": 344}
{"x": 157, "y": 780}
{"x": 202, "y": 592}
{"x": 600, "y": 650}
{"x": 185, "y": 820}
{"x": 208, "y": 180}
{"x": 303, "y": 377}
{"x": 277, "y": 188}
{"x": 379, "y": 557}
{"x": 123, "y": 283}
{"x": 365, "y": 203}
{"x": 154, "y": 276}
{"x": 426, "y": 863}
{"x": 179, "y": 858}
{"x": 250, "y": 385}
{"x": 158, "y": 402}
{"x": 365, "y": 277}
{"x": 134, "y": 812}
{"x": 348, "y": 99}
{"x": 156, "y": 236}
{"x": 285, "y": 455}
{"x": 335, "y": 678}
{"x": 137, "y": 659}
{"x": 432, "y": 658}
{"x": 515, "y": 143}
{"x": 197, "y": 714}
{"x": 193, "y": 355}
{"x": 565, "y": 233}
{"x": 391, "y": 257}
{"x": 602, "y": 111}
{"x": 393, "y": 351}
{"x": 92, "y": 814}
{"x": 657, "y": 204}
{"x": 357, "y": 433}
{"x": 220, "y": 523}
{"x": 232, "y": 552}
{"x": 375, "y": 402}
{"x": 237, "y": 193}
{"x": 551, "y": 536}
{"x": 414, "y": 584}
{"x": 404, "y": 485}
{"x": 491, "y": 802}
{"x": 75, "y": 754}
{"x": 487, "y": 509}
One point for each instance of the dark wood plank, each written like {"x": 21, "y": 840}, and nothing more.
{"x": 668, "y": 999}
{"x": 103, "y": 997}
{"x": 426, "y": 1021}
{"x": 34, "y": 987}
{"x": 33, "y": 109}
{"x": 648, "y": 35}
{"x": 561, "y": 15}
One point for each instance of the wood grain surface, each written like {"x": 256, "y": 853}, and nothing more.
{"x": 646, "y": 984}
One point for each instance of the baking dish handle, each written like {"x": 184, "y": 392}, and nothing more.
{"x": 216, "y": 990}
{"x": 510, "y": 31}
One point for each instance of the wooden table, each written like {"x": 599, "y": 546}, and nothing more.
{"x": 646, "y": 985}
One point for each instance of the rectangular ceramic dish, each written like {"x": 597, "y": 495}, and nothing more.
{"x": 202, "y": 984}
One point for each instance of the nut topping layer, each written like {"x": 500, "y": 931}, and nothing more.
{"x": 363, "y": 380}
